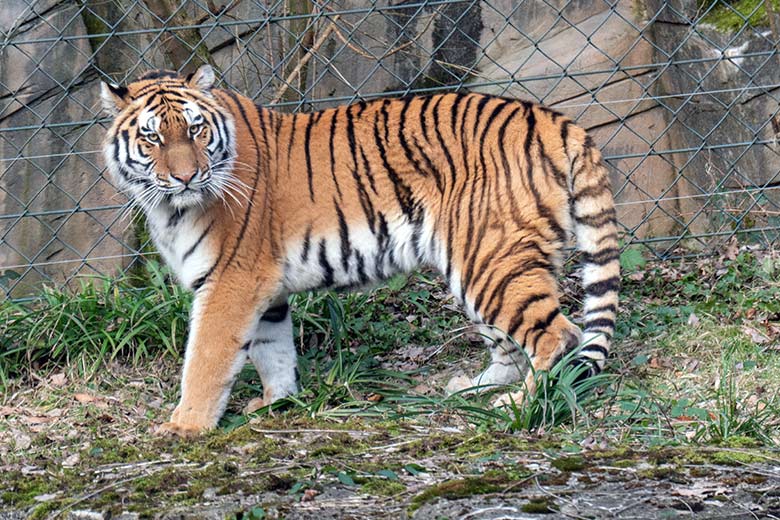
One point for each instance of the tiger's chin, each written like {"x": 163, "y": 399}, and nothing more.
{"x": 189, "y": 198}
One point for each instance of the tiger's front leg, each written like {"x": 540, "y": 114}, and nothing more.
{"x": 221, "y": 320}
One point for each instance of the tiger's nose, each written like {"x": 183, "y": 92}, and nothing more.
{"x": 184, "y": 177}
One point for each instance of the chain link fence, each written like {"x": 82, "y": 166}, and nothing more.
{"x": 682, "y": 96}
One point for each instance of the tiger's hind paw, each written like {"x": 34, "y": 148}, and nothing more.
{"x": 460, "y": 384}
{"x": 518, "y": 398}
{"x": 510, "y": 400}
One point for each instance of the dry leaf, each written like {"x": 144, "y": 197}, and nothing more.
{"x": 37, "y": 419}
{"x": 8, "y": 410}
{"x": 774, "y": 329}
{"x": 423, "y": 389}
{"x": 84, "y": 398}
{"x": 58, "y": 379}
{"x": 98, "y": 402}
{"x": 700, "y": 489}
{"x": 254, "y": 405}
{"x": 156, "y": 403}
{"x": 753, "y": 403}
{"x": 22, "y": 441}
{"x": 374, "y": 398}
{"x": 71, "y": 461}
{"x": 693, "y": 320}
{"x": 756, "y": 336}
{"x": 245, "y": 449}
{"x": 657, "y": 362}
{"x": 732, "y": 249}
{"x": 309, "y": 495}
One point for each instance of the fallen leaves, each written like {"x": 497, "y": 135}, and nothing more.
{"x": 58, "y": 379}
{"x": 84, "y": 398}
{"x": 309, "y": 495}
{"x": 731, "y": 250}
{"x": 5, "y": 411}
{"x": 374, "y": 398}
{"x": 701, "y": 489}
{"x": 22, "y": 441}
{"x": 756, "y": 336}
{"x": 254, "y": 405}
{"x": 660, "y": 362}
{"x": 36, "y": 420}
{"x": 409, "y": 358}
{"x": 71, "y": 460}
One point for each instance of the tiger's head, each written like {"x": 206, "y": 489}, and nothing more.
{"x": 170, "y": 141}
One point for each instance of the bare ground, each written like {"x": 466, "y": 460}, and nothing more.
{"x": 89, "y": 453}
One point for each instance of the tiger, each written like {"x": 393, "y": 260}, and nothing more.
{"x": 248, "y": 205}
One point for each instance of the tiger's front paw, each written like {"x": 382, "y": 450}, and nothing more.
{"x": 459, "y": 383}
{"x": 184, "y": 425}
{"x": 180, "y": 430}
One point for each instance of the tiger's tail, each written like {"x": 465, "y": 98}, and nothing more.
{"x": 595, "y": 228}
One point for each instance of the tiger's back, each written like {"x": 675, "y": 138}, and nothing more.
{"x": 486, "y": 190}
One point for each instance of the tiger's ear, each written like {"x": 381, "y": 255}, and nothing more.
{"x": 203, "y": 78}
{"x": 114, "y": 98}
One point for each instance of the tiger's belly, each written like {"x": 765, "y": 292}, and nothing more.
{"x": 356, "y": 256}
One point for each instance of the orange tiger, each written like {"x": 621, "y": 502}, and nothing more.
{"x": 248, "y": 205}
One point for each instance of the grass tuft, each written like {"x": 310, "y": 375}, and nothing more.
{"x": 134, "y": 318}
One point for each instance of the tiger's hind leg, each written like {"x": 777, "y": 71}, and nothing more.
{"x": 507, "y": 364}
{"x": 523, "y": 309}
{"x": 272, "y": 352}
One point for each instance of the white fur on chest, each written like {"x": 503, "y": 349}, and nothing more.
{"x": 186, "y": 243}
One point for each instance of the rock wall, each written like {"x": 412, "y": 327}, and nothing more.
{"x": 43, "y": 185}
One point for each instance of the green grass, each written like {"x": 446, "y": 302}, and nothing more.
{"x": 133, "y": 318}
{"x": 698, "y": 374}
{"x": 730, "y": 16}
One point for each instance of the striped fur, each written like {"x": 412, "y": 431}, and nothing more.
{"x": 259, "y": 204}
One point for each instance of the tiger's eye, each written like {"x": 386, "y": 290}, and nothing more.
{"x": 153, "y": 138}
{"x": 195, "y": 130}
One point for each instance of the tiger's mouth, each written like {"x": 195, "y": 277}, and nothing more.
{"x": 215, "y": 184}
{"x": 190, "y": 195}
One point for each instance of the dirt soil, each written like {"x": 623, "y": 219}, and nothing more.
{"x": 269, "y": 469}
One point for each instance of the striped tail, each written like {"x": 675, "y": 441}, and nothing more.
{"x": 595, "y": 228}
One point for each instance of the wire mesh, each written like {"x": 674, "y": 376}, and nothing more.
{"x": 682, "y": 96}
